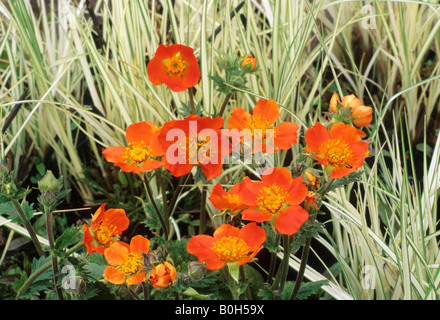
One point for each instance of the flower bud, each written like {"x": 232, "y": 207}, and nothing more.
{"x": 163, "y": 275}
{"x": 249, "y": 62}
{"x": 49, "y": 183}
{"x": 362, "y": 116}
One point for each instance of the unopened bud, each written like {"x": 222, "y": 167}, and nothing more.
{"x": 50, "y": 183}
{"x": 362, "y": 116}
{"x": 249, "y": 62}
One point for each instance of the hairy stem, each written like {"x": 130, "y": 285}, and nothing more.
{"x": 28, "y": 227}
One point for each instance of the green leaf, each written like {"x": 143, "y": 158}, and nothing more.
{"x": 191, "y": 292}
{"x": 70, "y": 236}
{"x": 234, "y": 270}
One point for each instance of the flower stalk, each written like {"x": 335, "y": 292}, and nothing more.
{"x": 147, "y": 186}
{"x": 28, "y": 227}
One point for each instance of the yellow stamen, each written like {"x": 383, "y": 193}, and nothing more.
{"x": 230, "y": 249}
{"x": 131, "y": 263}
{"x": 106, "y": 234}
{"x": 175, "y": 65}
{"x": 336, "y": 153}
{"x": 138, "y": 152}
{"x": 232, "y": 198}
{"x": 271, "y": 199}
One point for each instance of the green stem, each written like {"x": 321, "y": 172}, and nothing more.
{"x": 42, "y": 269}
{"x": 191, "y": 101}
{"x": 273, "y": 260}
{"x": 176, "y": 194}
{"x": 150, "y": 195}
{"x": 203, "y": 211}
{"x": 243, "y": 279}
{"x": 146, "y": 288}
{"x": 50, "y": 237}
{"x": 225, "y": 103}
{"x": 164, "y": 198}
{"x": 28, "y": 227}
{"x": 302, "y": 268}
{"x": 286, "y": 257}
{"x": 131, "y": 291}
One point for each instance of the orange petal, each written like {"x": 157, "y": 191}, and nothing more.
{"x": 87, "y": 240}
{"x": 115, "y": 253}
{"x": 172, "y": 271}
{"x": 362, "y": 116}
{"x": 351, "y": 101}
{"x": 297, "y": 192}
{"x": 239, "y": 119}
{"x": 114, "y": 154}
{"x": 141, "y": 131}
{"x": 226, "y": 230}
{"x": 345, "y": 132}
{"x": 139, "y": 243}
{"x": 211, "y": 170}
{"x": 217, "y": 199}
{"x": 255, "y": 215}
{"x": 150, "y": 165}
{"x": 286, "y": 135}
{"x": 291, "y": 219}
{"x": 315, "y": 136}
{"x": 267, "y": 109}
{"x": 136, "y": 278}
{"x": 249, "y": 191}
{"x": 334, "y": 102}
{"x": 118, "y": 218}
{"x": 98, "y": 216}
{"x": 157, "y": 149}
{"x": 279, "y": 175}
{"x": 200, "y": 246}
{"x": 114, "y": 276}
{"x": 339, "y": 173}
{"x": 253, "y": 235}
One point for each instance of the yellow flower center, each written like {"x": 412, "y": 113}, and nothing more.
{"x": 131, "y": 264}
{"x": 336, "y": 153}
{"x": 175, "y": 65}
{"x": 106, "y": 234}
{"x": 138, "y": 152}
{"x": 232, "y": 198}
{"x": 198, "y": 150}
{"x": 230, "y": 249}
{"x": 271, "y": 199}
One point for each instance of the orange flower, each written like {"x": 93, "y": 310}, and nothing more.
{"x": 361, "y": 115}
{"x": 339, "y": 149}
{"x": 162, "y": 275}
{"x": 263, "y": 118}
{"x": 142, "y": 151}
{"x": 126, "y": 263}
{"x": 105, "y": 228}
{"x": 194, "y": 141}
{"x": 350, "y": 101}
{"x": 230, "y": 200}
{"x": 251, "y": 61}
{"x": 175, "y": 66}
{"x": 276, "y": 198}
{"x": 228, "y": 245}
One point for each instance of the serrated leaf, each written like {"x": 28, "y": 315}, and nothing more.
{"x": 94, "y": 272}
{"x": 306, "y": 289}
{"x": 70, "y": 236}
